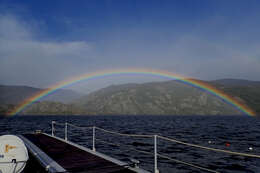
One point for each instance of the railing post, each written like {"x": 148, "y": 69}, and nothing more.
{"x": 93, "y": 139}
{"x": 52, "y": 128}
{"x": 66, "y": 131}
{"x": 155, "y": 155}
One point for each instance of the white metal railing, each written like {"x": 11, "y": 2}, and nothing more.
{"x": 66, "y": 131}
{"x": 155, "y": 138}
{"x": 155, "y": 154}
{"x": 93, "y": 139}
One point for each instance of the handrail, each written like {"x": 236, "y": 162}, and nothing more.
{"x": 55, "y": 122}
{"x": 79, "y": 127}
{"x": 53, "y": 128}
{"x": 186, "y": 163}
{"x": 123, "y": 134}
{"x": 208, "y": 148}
{"x": 160, "y": 155}
{"x": 155, "y": 153}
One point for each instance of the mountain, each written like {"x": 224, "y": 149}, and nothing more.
{"x": 15, "y": 94}
{"x": 156, "y": 98}
{"x": 236, "y": 82}
{"x": 54, "y": 108}
{"x": 246, "y": 91}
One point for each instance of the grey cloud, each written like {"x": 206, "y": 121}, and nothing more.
{"x": 26, "y": 60}
{"x": 213, "y": 59}
{"x": 11, "y": 29}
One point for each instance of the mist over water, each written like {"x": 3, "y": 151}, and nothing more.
{"x": 213, "y": 131}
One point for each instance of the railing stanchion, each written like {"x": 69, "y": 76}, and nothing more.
{"x": 52, "y": 128}
{"x": 155, "y": 155}
{"x": 66, "y": 131}
{"x": 93, "y": 139}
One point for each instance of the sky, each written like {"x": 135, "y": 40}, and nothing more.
{"x": 43, "y": 42}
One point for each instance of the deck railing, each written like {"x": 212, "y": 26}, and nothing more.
{"x": 155, "y": 138}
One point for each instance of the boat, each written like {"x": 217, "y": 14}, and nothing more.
{"x": 41, "y": 152}
{"x": 47, "y": 153}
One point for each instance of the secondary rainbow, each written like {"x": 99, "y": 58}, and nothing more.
{"x": 195, "y": 83}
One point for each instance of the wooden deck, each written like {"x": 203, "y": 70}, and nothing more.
{"x": 72, "y": 158}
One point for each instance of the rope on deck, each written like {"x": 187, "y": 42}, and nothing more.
{"x": 208, "y": 148}
{"x": 160, "y": 155}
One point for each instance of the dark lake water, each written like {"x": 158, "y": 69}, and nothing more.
{"x": 240, "y": 132}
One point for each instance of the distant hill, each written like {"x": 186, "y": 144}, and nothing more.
{"x": 236, "y": 82}
{"x": 54, "y": 108}
{"x": 16, "y": 94}
{"x": 247, "y": 91}
{"x": 154, "y": 98}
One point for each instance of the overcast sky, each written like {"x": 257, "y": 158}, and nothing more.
{"x": 43, "y": 42}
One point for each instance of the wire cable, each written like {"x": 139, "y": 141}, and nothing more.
{"x": 83, "y": 128}
{"x": 59, "y": 124}
{"x": 186, "y": 163}
{"x": 160, "y": 155}
{"x": 167, "y": 139}
{"x": 123, "y": 134}
{"x": 208, "y": 148}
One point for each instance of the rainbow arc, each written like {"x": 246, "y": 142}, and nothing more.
{"x": 195, "y": 83}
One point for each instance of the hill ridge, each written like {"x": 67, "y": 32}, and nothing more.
{"x": 156, "y": 98}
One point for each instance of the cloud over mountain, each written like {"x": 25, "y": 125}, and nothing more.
{"x": 42, "y": 45}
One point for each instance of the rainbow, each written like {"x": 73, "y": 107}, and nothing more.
{"x": 195, "y": 83}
